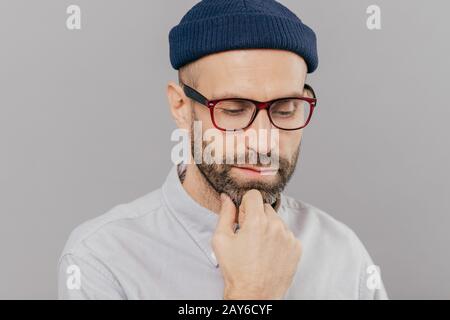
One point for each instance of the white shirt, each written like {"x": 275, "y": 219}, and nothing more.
{"x": 159, "y": 247}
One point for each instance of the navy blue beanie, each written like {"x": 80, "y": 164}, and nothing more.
{"x": 219, "y": 25}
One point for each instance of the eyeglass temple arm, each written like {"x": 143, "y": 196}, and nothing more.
{"x": 309, "y": 88}
{"x": 195, "y": 95}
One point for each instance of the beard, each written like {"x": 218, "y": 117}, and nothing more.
{"x": 219, "y": 176}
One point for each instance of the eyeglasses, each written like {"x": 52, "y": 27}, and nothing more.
{"x": 235, "y": 114}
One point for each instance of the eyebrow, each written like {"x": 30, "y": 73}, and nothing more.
{"x": 228, "y": 95}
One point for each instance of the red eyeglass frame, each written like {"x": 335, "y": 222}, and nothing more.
{"x": 260, "y": 105}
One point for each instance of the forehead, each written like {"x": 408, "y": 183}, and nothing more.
{"x": 255, "y": 73}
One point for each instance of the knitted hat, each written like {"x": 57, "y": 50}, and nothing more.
{"x": 218, "y": 25}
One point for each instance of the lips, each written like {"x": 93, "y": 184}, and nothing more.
{"x": 260, "y": 170}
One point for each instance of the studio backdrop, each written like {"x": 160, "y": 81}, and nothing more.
{"x": 85, "y": 125}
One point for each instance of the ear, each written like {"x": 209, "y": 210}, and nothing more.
{"x": 309, "y": 91}
{"x": 180, "y": 106}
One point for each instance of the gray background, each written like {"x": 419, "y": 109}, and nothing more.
{"x": 84, "y": 125}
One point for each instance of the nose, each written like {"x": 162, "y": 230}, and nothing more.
{"x": 262, "y": 126}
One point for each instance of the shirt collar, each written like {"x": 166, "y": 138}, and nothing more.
{"x": 199, "y": 222}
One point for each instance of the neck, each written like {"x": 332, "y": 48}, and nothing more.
{"x": 200, "y": 190}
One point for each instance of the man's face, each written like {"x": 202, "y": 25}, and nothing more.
{"x": 260, "y": 75}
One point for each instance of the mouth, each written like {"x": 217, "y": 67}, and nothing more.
{"x": 256, "y": 171}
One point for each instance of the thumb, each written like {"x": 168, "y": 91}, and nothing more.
{"x": 227, "y": 215}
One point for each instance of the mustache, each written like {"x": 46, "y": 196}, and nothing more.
{"x": 252, "y": 157}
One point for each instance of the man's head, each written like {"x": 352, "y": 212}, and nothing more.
{"x": 258, "y": 74}
{"x": 261, "y": 74}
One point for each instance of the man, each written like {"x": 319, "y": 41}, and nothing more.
{"x": 220, "y": 228}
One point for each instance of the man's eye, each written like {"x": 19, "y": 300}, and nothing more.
{"x": 233, "y": 111}
{"x": 234, "y": 107}
{"x": 284, "y": 113}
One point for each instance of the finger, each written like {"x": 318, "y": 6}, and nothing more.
{"x": 272, "y": 216}
{"x": 251, "y": 208}
{"x": 270, "y": 211}
{"x": 227, "y": 215}
{"x": 241, "y": 216}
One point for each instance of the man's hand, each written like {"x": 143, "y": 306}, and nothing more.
{"x": 260, "y": 260}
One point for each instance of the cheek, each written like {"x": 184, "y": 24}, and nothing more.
{"x": 204, "y": 117}
{"x": 289, "y": 142}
